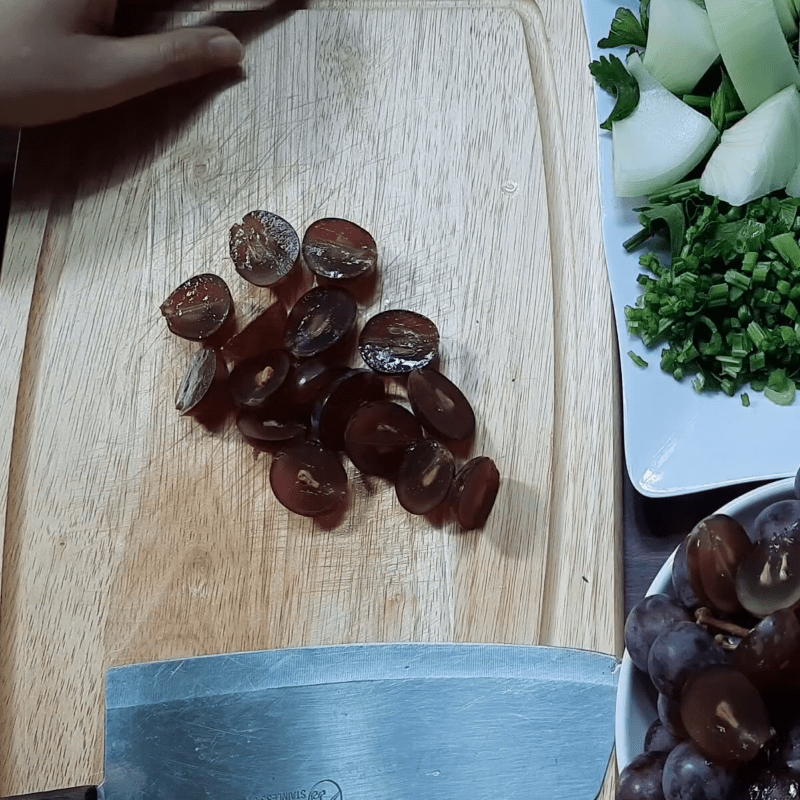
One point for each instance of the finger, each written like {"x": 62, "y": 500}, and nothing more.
{"x": 129, "y": 67}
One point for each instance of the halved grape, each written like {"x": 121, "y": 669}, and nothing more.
{"x": 265, "y": 248}
{"x": 377, "y": 436}
{"x": 198, "y": 308}
{"x": 398, "y": 341}
{"x": 254, "y": 381}
{"x": 338, "y": 250}
{"x": 474, "y": 491}
{"x": 322, "y": 317}
{"x": 267, "y": 433}
{"x": 689, "y": 775}
{"x": 308, "y": 479}
{"x": 308, "y": 381}
{"x": 724, "y": 715}
{"x": 347, "y": 393}
{"x": 722, "y": 545}
{"x": 770, "y": 652}
{"x": 769, "y": 577}
{"x": 647, "y": 619}
{"x": 440, "y": 404}
{"x": 678, "y": 652}
{"x": 781, "y": 518}
{"x": 681, "y": 576}
{"x": 207, "y": 372}
{"x": 425, "y": 476}
{"x": 641, "y": 778}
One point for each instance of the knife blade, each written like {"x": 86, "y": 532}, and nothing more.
{"x": 391, "y": 721}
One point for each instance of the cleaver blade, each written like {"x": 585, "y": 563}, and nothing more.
{"x": 352, "y": 722}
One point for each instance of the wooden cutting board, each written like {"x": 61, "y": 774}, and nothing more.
{"x": 462, "y": 135}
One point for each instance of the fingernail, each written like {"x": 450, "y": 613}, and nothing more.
{"x": 226, "y": 50}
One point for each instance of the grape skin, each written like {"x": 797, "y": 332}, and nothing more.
{"x": 781, "y": 518}
{"x": 646, "y": 621}
{"x": 688, "y": 775}
{"x": 678, "y": 652}
{"x": 642, "y": 778}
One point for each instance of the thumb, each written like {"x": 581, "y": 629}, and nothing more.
{"x": 137, "y": 65}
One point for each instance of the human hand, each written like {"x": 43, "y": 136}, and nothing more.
{"x": 58, "y": 61}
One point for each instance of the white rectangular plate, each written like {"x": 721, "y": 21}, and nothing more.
{"x": 676, "y": 440}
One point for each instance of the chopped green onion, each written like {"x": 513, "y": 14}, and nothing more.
{"x": 745, "y": 399}
{"x": 638, "y": 360}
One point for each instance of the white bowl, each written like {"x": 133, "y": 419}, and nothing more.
{"x": 636, "y": 709}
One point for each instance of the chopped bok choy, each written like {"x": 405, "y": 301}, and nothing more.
{"x": 680, "y": 44}
{"x": 660, "y": 142}
{"x": 757, "y": 155}
{"x": 753, "y": 47}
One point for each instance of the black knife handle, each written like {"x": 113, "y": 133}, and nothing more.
{"x": 79, "y": 793}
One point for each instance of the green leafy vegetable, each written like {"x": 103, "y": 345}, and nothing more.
{"x": 724, "y": 309}
{"x": 726, "y": 108}
{"x": 657, "y": 218}
{"x": 611, "y": 75}
{"x": 625, "y": 30}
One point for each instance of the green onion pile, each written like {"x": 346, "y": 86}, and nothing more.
{"x": 728, "y": 306}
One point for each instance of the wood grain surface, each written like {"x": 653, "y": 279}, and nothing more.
{"x": 462, "y": 135}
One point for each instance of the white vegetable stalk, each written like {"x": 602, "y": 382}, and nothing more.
{"x": 757, "y": 155}
{"x": 680, "y": 44}
{"x": 753, "y": 47}
{"x": 660, "y": 142}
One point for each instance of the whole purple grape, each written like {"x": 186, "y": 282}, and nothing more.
{"x": 688, "y": 775}
{"x": 678, "y": 652}
{"x": 650, "y": 617}
{"x": 642, "y": 778}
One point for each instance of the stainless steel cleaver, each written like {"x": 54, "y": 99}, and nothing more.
{"x": 361, "y": 722}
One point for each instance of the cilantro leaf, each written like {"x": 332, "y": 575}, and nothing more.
{"x": 611, "y": 75}
{"x": 625, "y": 29}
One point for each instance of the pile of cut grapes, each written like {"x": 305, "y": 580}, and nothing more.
{"x": 294, "y": 394}
{"x": 722, "y": 652}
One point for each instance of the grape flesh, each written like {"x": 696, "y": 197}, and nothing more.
{"x": 646, "y": 620}
{"x": 722, "y": 545}
{"x": 724, "y": 715}
{"x": 781, "y": 518}
{"x": 689, "y": 775}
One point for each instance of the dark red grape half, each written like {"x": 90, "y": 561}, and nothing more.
{"x": 267, "y": 433}
{"x": 264, "y": 248}
{"x": 206, "y": 371}
{"x": 398, "y": 341}
{"x": 319, "y": 319}
{"x": 347, "y": 393}
{"x": 770, "y": 652}
{"x": 724, "y": 715}
{"x": 474, "y": 491}
{"x": 440, "y": 404}
{"x": 308, "y": 479}
{"x": 722, "y": 545}
{"x": 198, "y": 308}
{"x": 769, "y": 577}
{"x": 308, "y": 381}
{"x": 425, "y": 476}
{"x": 377, "y": 436}
{"x": 254, "y": 381}
{"x": 338, "y": 250}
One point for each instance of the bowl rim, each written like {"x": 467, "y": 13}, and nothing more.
{"x": 662, "y": 583}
